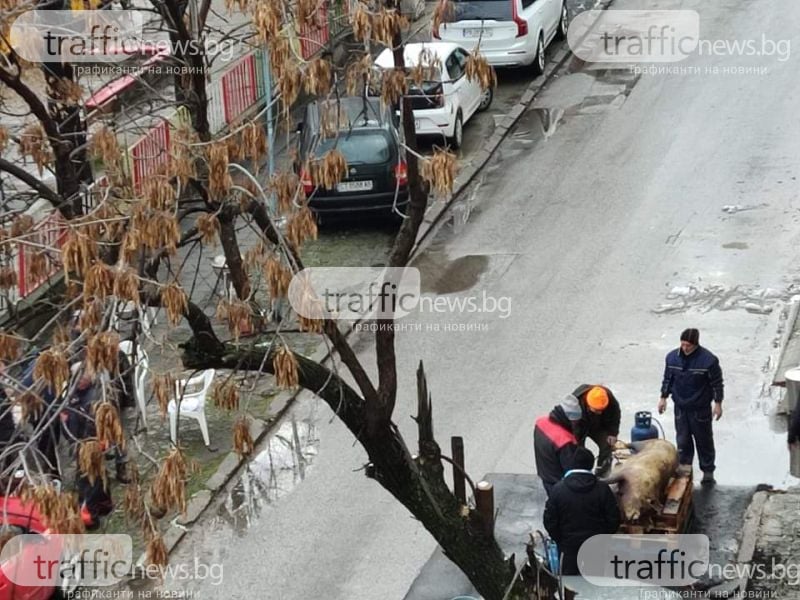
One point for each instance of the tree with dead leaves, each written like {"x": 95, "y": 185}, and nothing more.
{"x": 133, "y": 243}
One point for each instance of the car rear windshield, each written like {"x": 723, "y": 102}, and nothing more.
{"x": 498, "y": 10}
{"x": 359, "y": 147}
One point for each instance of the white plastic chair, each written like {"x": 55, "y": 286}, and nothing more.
{"x": 192, "y": 404}
{"x": 141, "y": 366}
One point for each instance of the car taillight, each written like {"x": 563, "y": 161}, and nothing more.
{"x": 522, "y": 24}
{"x": 401, "y": 173}
{"x": 305, "y": 179}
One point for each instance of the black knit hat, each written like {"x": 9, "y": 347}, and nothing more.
{"x": 691, "y": 335}
{"x": 582, "y": 459}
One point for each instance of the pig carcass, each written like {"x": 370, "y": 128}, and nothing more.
{"x": 643, "y": 477}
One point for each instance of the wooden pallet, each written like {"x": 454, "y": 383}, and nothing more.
{"x": 676, "y": 513}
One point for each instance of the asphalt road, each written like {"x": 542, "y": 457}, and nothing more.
{"x": 620, "y": 210}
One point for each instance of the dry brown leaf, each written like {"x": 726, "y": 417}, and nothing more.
{"x": 208, "y": 226}
{"x": 242, "y": 440}
{"x": 99, "y": 282}
{"x": 52, "y": 366}
{"x": 440, "y": 171}
{"x": 9, "y": 347}
{"x": 302, "y": 226}
{"x": 102, "y": 353}
{"x": 108, "y": 424}
{"x": 225, "y": 395}
{"x": 285, "y": 366}
{"x": 175, "y": 301}
{"x": 163, "y": 390}
{"x": 169, "y": 486}
{"x": 92, "y": 461}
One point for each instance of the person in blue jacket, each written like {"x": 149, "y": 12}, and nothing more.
{"x": 693, "y": 377}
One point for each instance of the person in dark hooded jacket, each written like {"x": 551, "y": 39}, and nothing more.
{"x": 554, "y": 441}
{"x": 580, "y": 506}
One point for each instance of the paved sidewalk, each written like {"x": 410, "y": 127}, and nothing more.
{"x": 777, "y": 547}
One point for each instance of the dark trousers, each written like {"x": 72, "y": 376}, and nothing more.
{"x": 548, "y": 487}
{"x": 693, "y": 429}
{"x": 569, "y": 564}
{"x": 48, "y": 446}
{"x": 600, "y": 438}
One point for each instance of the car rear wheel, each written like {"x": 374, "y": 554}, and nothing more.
{"x": 487, "y": 96}
{"x": 539, "y": 61}
{"x": 458, "y": 133}
{"x": 563, "y": 23}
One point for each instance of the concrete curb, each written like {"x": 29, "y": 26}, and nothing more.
{"x": 747, "y": 547}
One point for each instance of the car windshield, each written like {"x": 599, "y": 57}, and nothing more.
{"x": 498, "y": 10}
{"x": 359, "y": 147}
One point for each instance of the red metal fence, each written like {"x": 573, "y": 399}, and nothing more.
{"x": 47, "y": 237}
{"x": 149, "y": 154}
{"x": 239, "y": 87}
{"x": 315, "y": 37}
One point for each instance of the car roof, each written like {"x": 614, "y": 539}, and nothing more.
{"x": 411, "y": 53}
{"x": 357, "y": 114}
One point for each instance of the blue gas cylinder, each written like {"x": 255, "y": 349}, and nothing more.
{"x": 552, "y": 556}
{"x": 644, "y": 428}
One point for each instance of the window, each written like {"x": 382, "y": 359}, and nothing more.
{"x": 461, "y": 55}
{"x": 359, "y": 147}
{"x": 527, "y": 3}
{"x": 499, "y": 10}
{"x": 454, "y": 66}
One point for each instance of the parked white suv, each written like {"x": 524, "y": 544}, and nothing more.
{"x": 511, "y": 33}
{"x": 442, "y": 105}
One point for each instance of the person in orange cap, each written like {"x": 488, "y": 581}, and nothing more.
{"x": 600, "y": 422}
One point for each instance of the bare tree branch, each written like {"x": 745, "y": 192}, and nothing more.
{"x": 31, "y": 181}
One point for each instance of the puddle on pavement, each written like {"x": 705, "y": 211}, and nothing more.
{"x": 736, "y": 246}
{"x": 583, "y": 92}
{"x": 273, "y": 473}
{"x": 440, "y": 275}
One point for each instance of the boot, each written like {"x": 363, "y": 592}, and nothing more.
{"x": 708, "y": 478}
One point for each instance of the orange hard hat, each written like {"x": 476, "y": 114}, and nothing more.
{"x": 597, "y": 398}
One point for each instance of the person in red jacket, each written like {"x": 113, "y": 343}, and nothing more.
{"x": 554, "y": 441}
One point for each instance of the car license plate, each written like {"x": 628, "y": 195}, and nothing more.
{"x": 354, "y": 186}
{"x": 476, "y": 33}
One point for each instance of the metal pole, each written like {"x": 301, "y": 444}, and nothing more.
{"x": 484, "y": 502}
{"x": 459, "y": 485}
{"x": 270, "y": 130}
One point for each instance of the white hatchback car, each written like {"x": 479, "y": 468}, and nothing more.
{"x": 442, "y": 105}
{"x": 511, "y": 33}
